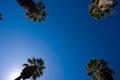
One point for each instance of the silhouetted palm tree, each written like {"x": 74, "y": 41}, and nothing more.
{"x": 99, "y": 70}
{"x": 97, "y": 10}
{"x": 33, "y": 69}
{"x": 0, "y": 16}
{"x": 34, "y": 11}
{"x": 41, "y": 14}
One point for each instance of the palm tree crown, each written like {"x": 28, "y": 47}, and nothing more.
{"x": 34, "y": 68}
{"x": 99, "y": 70}
{"x": 101, "y": 8}
{"x": 34, "y": 11}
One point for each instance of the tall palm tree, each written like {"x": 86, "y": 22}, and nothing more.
{"x": 34, "y": 68}
{"x": 0, "y": 16}
{"x": 98, "y": 69}
{"x": 34, "y": 11}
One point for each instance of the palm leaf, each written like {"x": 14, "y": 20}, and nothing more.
{"x": 43, "y": 7}
{"x": 1, "y": 18}
{"x": 108, "y": 11}
{"x": 39, "y": 4}
{"x": 109, "y": 70}
{"x": 91, "y": 62}
{"x": 29, "y": 16}
{"x": 90, "y": 73}
{"x": 41, "y": 73}
{"x": 37, "y": 74}
{"x": 41, "y": 62}
{"x": 39, "y": 19}
{"x": 30, "y": 61}
{"x": 34, "y": 61}
{"x": 97, "y": 17}
{"x": 26, "y": 65}
{"x": 94, "y": 78}
{"x": 93, "y": 1}
{"x": 42, "y": 67}
{"x": 34, "y": 19}
{"x": 34, "y": 76}
{"x": 0, "y": 14}
{"x": 44, "y": 13}
{"x": 88, "y": 67}
{"x": 42, "y": 17}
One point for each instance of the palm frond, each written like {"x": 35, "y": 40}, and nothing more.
{"x": 30, "y": 61}
{"x": 37, "y": 74}
{"x": 108, "y": 11}
{"x": 40, "y": 61}
{"x": 97, "y": 17}
{"x": 26, "y": 65}
{"x": 41, "y": 73}
{"x": 91, "y": 62}
{"x": 42, "y": 67}
{"x": 34, "y": 19}
{"x": 39, "y": 19}
{"x": 34, "y": 61}
{"x": 44, "y": 14}
{"x": 29, "y": 16}
{"x": 88, "y": 67}
{"x": 43, "y": 7}
{"x": 90, "y": 73}
{"x": 39, "y": 4}
{"x": 109, "y": 70}
{"x": 34, "y": 76}
{"x": 94, "y": 78}
{"x": 1, "y": 18}
{"x": 42, "y": 17}
{"x": 93, "y": 1}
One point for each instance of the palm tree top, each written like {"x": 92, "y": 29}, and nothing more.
{"x": 94, "y": 64}
{"x": 99, "y": 70}
{"x": 38, "y": 63}
{"x": 34, "y": 11}
{"x": 99, "y": 9}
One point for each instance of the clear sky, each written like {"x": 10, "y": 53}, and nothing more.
{"x": 66, "y": 40}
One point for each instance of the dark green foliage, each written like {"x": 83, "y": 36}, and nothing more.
{"x": 34, "y": 68}
{"x": 34, "y": 11}
{"x": 97, "y": 13}
{"x": 97, "y": 67}
{"x": 39, "y": 63}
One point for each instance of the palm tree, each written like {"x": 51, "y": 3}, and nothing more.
{"x": 98, "y": 69}
{"x": 94, "y": 11}
{"x": 0, "y": 16}
{"x": 99, "y": 11}
{"x": 34, "y": 11}
{"x": 34, "y": 68}
{"x": 39, "y": 15}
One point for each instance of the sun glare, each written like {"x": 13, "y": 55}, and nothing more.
{"x": 13, "y": 75}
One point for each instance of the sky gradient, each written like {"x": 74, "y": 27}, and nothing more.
{"x": 66, "y": 40}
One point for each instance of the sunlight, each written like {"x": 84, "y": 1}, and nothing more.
{"x": 14, "y": 74}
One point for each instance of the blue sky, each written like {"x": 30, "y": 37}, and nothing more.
{"x": 66, "y": 40}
